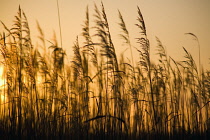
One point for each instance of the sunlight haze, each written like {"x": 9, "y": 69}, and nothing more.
{"x": 105, "y": 69}
{"x": 168, "y": 20}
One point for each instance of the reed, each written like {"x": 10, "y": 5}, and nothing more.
{"x": 98, "y": 95}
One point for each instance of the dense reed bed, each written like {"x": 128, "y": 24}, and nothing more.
{"x": 99, "y": 94}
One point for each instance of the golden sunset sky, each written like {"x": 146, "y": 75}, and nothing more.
{"x": 169, "y": 20}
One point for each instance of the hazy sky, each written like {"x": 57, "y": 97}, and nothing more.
{"x": 169, "y": 20}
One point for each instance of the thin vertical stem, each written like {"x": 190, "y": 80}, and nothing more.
{"x": 59, "y": 23}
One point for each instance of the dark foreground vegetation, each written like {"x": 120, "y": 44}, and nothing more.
{"x": 99, "y": 94}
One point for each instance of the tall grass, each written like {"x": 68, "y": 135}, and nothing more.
{"x": 98, "y": 95}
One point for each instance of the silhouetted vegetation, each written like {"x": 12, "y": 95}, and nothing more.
{"x": 97, "y": 94}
